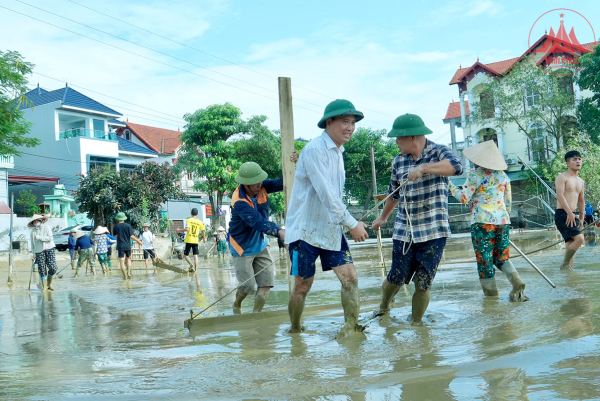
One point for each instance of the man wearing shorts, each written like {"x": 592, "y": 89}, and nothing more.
{"x": 124, "y": 234}
{"x": 193, "y": 228}
{"x": 569, "y": 195}
{"x": 421, "y": 226}
{"x": 249, "y": 227}
{"x": 317, "y": 218}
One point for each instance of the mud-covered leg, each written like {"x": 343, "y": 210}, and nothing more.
{"x": 297, "y": 300}
{"x": 420, "y": 302}
{"x": 237, "y": 304}
{"x": 350, "y": 298}
{"x": 517, "y": 294}
{"x": 261, "y": 298}
{"x": 388, "y": 292}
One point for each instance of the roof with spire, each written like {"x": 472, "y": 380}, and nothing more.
{"x": 161, "y": 140}
{"x": 454, "y": 110}
{"x": 69, "y": 98}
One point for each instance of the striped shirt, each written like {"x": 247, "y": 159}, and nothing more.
{"x": 316, "y": 213}
{"x": 427, "y": 199}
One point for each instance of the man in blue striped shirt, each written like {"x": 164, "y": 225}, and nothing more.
{"x": 317, "y": 218}
{"x": 421, "y": 226}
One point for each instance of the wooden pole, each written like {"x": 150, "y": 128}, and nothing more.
{"x": 286, "y": 118}
{"x": 374, "y": 177}
{"x": 10, "y": 240}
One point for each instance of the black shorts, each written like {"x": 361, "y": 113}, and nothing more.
{"x": 149, "y": 253}
{"x": 193, "y": 247}
{"x": 589, "y": 219}
{"x": 560, "y": 219}
{"x": 124, "y": 253}
{"x": 521, "y": 224}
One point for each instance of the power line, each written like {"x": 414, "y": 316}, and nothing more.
{"x": 163, "y": 63}
{"x": 212, "y": 55}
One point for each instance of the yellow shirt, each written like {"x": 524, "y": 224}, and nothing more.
{"x": 194, "y": 226}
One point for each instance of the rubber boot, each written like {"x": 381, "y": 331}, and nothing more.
{"x": 50, "y": 287}
{"x": 566, "y": 265}
{"x": 44, "y": 287}
{"x": 489, "y": 286}
{"x": 76, "y": 273}
{"x": 72, "y": 265}
{"x": 516, "y": 295}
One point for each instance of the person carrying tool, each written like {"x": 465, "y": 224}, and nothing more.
{"x": 317, "y": 217}
{"x": 42, "y": 248}
{"x": 84, "y": 251}
{"x": 148, "y": 239}
{"x": 488, "y": 189}
{"x": 249, "y": 248}
{"x": 192, "y": 237}
{"x": 570, "y": 196}
{"x": 420, "y": 176}
{"x": 124, "y": 234}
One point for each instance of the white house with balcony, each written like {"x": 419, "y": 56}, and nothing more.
{"x": 7, "y": 163}
{"x": 77, "y": 134}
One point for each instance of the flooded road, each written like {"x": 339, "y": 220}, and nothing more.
{"x": 101, "y": 337}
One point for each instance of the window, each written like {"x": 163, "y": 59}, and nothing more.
{"x": 127, "y": 168}
{"x": 566, "y": 84}
{"x": 532, "y": 96}
{"x": 96, "y": 161}
{"x": 127, "y": 134}
{"x": 486, "y": 100}
{"x": 539, "y": 145}
{"x": 189, "y": 176}
{"x": 98, "y": 128}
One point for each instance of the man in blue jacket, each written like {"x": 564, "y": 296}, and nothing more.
{"x": 248, "y": 243}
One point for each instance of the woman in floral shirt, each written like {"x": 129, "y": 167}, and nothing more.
{"x": 488, "y": 189}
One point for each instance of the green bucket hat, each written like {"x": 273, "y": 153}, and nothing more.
{"x": 121, "y": 216}
{"x": 408, "y": 125}
{"x": 250, "y": 173}
{"x": 340, "y": 107}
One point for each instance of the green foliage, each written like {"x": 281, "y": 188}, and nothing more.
{"x": 13, "y": 86}
{"x": 104, "y": 192}
{"x": 27, "y": 199}
{"x": 590, "y": 154}
{"x": 588, "y": 111}
{"x": 528, "y": 96}
{"x": 164, "y": 223}
{"x": 357, "y": 161}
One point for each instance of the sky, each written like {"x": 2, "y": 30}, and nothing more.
{"x": 155, "y": 61}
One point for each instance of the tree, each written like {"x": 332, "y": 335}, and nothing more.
{"x": 357, "y": 161}
{"x": 104, "y": 192}
{"x": 588, "y": 110}
{"x": 536, "y": 102}
{"x": 13, "y": 86}
{"x": 206, "y": 153}
{"x": 27, "y": 199}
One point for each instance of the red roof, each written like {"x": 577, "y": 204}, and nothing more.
{"x": 4, "y": 209}
{"x": 454, "y": 110}
{"x": 504, "y": 66}
{"x": 22, "y": 179}
{"x": 153, "y": 137}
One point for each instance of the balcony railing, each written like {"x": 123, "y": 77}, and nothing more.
{"x": 87, "y": 133}
{"x": 7, "y": 162}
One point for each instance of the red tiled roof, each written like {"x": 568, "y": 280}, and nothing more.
{"x": 454, "y": 110}
{"x": 153, "y": 137}
{"x": 590, "y": 46}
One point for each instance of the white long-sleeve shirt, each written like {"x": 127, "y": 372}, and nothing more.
{"x": 41, "y": 239}
{"x": 316, "y": 213}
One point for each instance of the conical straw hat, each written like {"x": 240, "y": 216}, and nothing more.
{"x": 487, "y": 155}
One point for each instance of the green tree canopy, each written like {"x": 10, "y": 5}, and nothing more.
{"x": 13, "y": 86}
{"x": 588, "y": 110}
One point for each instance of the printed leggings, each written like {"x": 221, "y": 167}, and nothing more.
{"x": 46, "y": 263}
{"x": 490, "y": 242}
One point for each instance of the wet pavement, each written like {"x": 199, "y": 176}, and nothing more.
{"x": 102, "y": 337}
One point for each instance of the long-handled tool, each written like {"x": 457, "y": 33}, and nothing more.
{"x": 532, "y": 264}
{"x": 60, "y": 271}
{"x": 31, "y": 274}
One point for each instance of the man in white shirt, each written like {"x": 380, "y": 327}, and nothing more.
{"x": 317, "y": 218}
{"x": 148, "y": 239}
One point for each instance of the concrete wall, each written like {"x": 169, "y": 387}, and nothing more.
{"x": 21, "y": 231}
{"x": 4, "y": 186}
{"x": 180, "y": 210}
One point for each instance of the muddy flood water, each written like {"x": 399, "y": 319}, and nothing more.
{"x": 105, "y": 338}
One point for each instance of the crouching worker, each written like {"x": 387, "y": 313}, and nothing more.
{"x": 248, "y": 243}
{"x": 42, "y": 246}
{"x": 421, "y": 226}
{"x": 488, "y": 189}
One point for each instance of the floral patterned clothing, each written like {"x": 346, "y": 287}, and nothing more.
{"x": 489, "y": 193}
{"x": 491, "y": 245}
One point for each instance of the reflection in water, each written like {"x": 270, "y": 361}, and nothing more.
{"x": 107, "y": 337}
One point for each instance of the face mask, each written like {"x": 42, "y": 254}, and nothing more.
{"x": 37, "y": 223}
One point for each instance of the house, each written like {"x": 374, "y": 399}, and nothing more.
{"x": 6, "y": 163}
{"x": 513, "y": 144}
{"x": 77, "y": 134}
{"x": 166, "y": 143}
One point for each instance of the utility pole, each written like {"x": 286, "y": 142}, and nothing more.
{"x": 10, "y": 239}
{"x": 286, "y": 118}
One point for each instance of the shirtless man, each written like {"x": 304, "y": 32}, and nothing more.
{"x": 569, "y": 194}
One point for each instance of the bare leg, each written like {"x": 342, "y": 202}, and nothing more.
{"x": 122, "y": 266}
{"x": 350, "y": 297}
{"x": 195, "y": 262}
{"x": 572, "y": 246}
{"x": 237, "y": 304}
{"x": 129, "y": 267}
{"x": 297, "y": 299}
{"x": 420, "y": 302}
{"x": 388, "y": 291}
{"x": 261, "y": 298}
{"x": 187, "y": 258}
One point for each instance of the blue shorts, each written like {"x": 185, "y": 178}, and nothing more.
{"x": 303, "y": 257}
{"x": 420, "y": 263}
